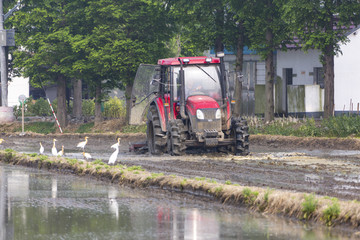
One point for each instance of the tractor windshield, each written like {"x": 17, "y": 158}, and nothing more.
{"x": 201, "y": 80}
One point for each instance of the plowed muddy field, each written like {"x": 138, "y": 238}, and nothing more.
{"x": 315, "y": 165}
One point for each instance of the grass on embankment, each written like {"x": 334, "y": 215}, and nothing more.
{"x": 329, "y": 211}
{"x": 51, "y": 127}
{"x": 339, "y": 126}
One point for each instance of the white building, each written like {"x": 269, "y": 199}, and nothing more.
{"x": 347, "y": 74}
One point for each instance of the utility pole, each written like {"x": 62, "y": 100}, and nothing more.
{"x": 3, "y": 66}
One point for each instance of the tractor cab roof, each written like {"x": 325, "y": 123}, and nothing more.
{"x": 188, "y": 60}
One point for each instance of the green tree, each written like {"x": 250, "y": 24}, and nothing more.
{"x": 268, "y": 33}
{"x": 322, "y": 24}
{"x": 44, "y": 32}
{"x": 122, "y": 35}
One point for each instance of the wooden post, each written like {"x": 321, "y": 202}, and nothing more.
{"x": 357, "y": 109}
{"x": 22, "y": 116}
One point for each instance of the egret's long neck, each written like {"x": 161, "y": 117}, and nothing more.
{"x": 54, "y": 144}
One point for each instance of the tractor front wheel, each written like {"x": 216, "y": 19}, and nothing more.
{"x": 177, "y": 137}
{"x": 239, "y": 131}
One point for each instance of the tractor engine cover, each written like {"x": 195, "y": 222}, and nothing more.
{"x": 209, "y": 127}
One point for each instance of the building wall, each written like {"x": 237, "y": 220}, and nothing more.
{"x": 302, "y": 65}
{"x": 347, "y": 74}
{"x": 18, "y": 86}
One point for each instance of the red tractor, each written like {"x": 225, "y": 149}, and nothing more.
{"x": 188, "y": 104}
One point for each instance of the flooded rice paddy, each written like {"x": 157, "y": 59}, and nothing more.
{"x": 36, "y": 204}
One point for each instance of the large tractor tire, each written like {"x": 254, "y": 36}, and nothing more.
{"x": 239, "y": 131}
{"x": 156, "y": 138}
{"x": 176, "y": 143}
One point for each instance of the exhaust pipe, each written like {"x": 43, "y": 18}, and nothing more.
{"x": 182, "y": 97}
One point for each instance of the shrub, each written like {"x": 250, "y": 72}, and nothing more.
{"x": 309, "y": 205}
{"x": 331, "y": 212}
{"x": 41, "y": 108}
{"x": 114, "y": 108}
{"x": 249, "y": 196}
{"x": 88, "y": 107}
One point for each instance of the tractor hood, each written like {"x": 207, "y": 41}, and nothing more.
{"x": 200, "y": 102}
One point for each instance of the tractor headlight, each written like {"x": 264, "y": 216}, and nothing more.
{"x": 200, "y": 114}
{"x": 218, "y": 114}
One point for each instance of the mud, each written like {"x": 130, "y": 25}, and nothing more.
{"x": 322, "y": 166}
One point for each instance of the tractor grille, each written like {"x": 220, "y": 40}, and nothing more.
{"x": 210, "y": 123}
{"x": 214, "y": 125}
{"x": 209, "y": 113}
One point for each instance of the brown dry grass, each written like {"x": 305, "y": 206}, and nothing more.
{"x": 269, "y": 201}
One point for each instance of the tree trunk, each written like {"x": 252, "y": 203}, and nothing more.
{"x": 128, "y": 91}
{"x": 61, "y": 101}
{"x": 269, "y": 79}
{"x": 98, "y": 114}
{"x": 77, "y": 104}
{"x": 237, "y": 111}
{"x": 329, "y": 83}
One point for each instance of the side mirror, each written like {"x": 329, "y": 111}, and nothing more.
{"x": 155, "y": 82}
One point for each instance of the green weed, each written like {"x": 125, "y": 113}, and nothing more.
{"x": 309, "y": 205}
{"x": 98, "y": 162}
{"x": 38, "y": 127}
{"x": 218, "y": 190}
{"x": 249, "y": 196}
{"x": 331, "y": 213}
{"x": 228, "y": 182}
{"x": 132, "y": 168}
{"x": 134, "y": 129}
{"x": 85, "y": 128}
{"x": 199, "y": 178}
{"x": 72, "y": 161}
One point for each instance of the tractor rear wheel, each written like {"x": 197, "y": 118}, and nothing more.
{"x": 239, "y": 129}
{"x": 177, "y": 137}
{"x": 156, "y": 138}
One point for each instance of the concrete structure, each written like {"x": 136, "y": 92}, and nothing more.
{"x": 17, "y": 86}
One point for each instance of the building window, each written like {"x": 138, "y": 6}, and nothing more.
{"x": 319, "y": 76}
{"x": 289, "y": 76}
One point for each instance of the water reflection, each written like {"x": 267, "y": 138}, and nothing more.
{"x": 39, "y": 205}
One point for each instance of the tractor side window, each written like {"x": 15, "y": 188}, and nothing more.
{"x": 166, "y": 76}
{"x": 175, "y": 80}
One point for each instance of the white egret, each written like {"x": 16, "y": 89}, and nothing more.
{"x": 113, "y": 156}
{"x": 41, "y": 150}
{"x": 61, "y": 153}
{"x": 87, "y": 156}
{"x": 82, "y": 144}
{"x": 1, "y": 140}
{"x": 116, "y": 145}
{"x": 53, "y": 149}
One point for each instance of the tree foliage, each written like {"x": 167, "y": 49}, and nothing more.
{"x": 322, "y": 25}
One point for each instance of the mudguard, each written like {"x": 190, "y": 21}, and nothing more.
{"x": 159, "y": 103}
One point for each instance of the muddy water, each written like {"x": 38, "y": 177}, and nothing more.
{"x": 329, "y": 172}
{"x": 36, "y": 204}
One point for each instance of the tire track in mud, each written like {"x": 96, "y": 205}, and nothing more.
{"x": 291, "y": 172}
